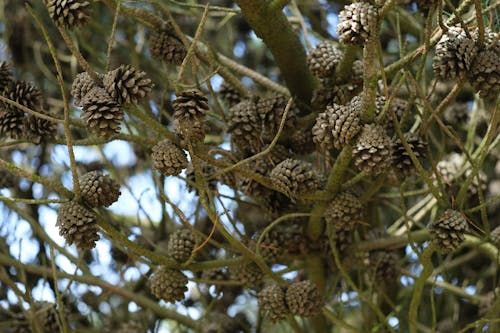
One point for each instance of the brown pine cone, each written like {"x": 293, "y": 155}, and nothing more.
{"x": 272, "y": 303}
{"x": 168, "y": 158}
{"x": 181, "y": 244}
{"x": 5, "y": 75}
{"x": 98, "y": 189}
{"x": 295, "y": 177}
{"x": 127, "y": 85}
{"x": 448, "y": 232}
{"x": 303, "y": 299}
{"x": 373, "y": 150}
{"x": 401, "y": 160}
{"x": 77, "y": 225}
{"x": 82, "y": 84}
{"x": 355, "y": 22}
{"x": 168, "y": 284}
{"x": 166, "y": 46}
{"x": 344, "y": 212}
{"x": 69, "y": 13}
{"x": 101, "y": 113}
{"x": 324, "y": 60}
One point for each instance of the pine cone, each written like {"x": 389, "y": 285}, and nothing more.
{"x": 77, "y": 225}
{"x": 38, "y": 129}
{"x": 11, "y": 123}
{"x": 69, "y": 13}
{"x": 303, "y": 299}
{"x": 206, "y": 170}
{"x": 45, "y": 315}
{"x": 166, "y": 46}
{"x": 249, "y": 275}
{"x": 447, "y": 233}
{"x": 7, "y": 179}
{"x": 401, "y": 160}
{"x": 181, "y": 245}
{"x": 324, "y": 60}
{"x": 456, "y": 114}
{"x": 355, "y": 22}
{"x": 245, "y": 127}
{"x": 372, "y": 153}
{"x": 82, "y": 84}
{"x": 336, "y": 126}
{"x": 127, "y": 85}
{"x": 168, "y": 284}
{"x": 485, "y": 74}
{"x": 190, "y": 110}
{"x": 98, "y": 189}
{"x": 344, "y": 212}
{"x": 301, "y": 142}
{"x": 272, "y": 303}
{"x": 168, "y": 158}
{"x": 271, "y": 112}
{"x": 401, "y": 109}
{"x": 25, "y": 94}
{"x": 5, "y": 75}
{"x": 454, "y": 54}
{"x": 295, "y": 177}
{"x": 495, "y": 237}
{"x": 229, "y": 94}
{"x": 101, "y": 113}
{"x": 384, "y": 266}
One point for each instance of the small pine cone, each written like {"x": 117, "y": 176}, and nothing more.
{"x": 272, "y": 303}
{"x": 45, "y": 314}
{"x": 98, "y": 189}
{"x": 454, "y": 55}
{"x": 127, "y": 84}
{"x": 485, "y": 74}
{"x": 295, "y": 177}
{"x": 38, "y": 129}
{"x": 355, "y": 22}
{"x": 456, "y": 114}
{"x": 401, "y": 109}
{"x": 447, "y": 233}
{"x": 449, "y": 172}
{"x": 69, "y": 13}
{"x": 82, "y": 84}
{"x": 384, "y": 266}
{"x": 321, "y": 97}
{"x": 229, "y": 94}
{"x": 336, "y": 126}
{"x": 101, "y": 113}
{"x": 303, "y": 299}
{"x": 168, "y": 158}
{"x": 25, "y": 94}
{"x": 495, "y": 237}
{"x": 11, "y": 123}
{"x": 245, "y": 127}
{"x": 401, "y": 160}
{"x": 5, "y": 75}
{"x": 249, "y": 275}
{"x": 344, "y": 212}
{"x": 271, "y": 112}
{"x": 168, "y": 284}
{"x": 324, "y": 60}
{"x": 77, "y": 225}
{"x": 190, "y": 105}
{"x": 7, "y": 179}
{"x": 206, "y": 170}
{"x": 181, "y": 245}
{"x": 372, "y": 153}
{"x": 301, "y": 142}
{"x": 193, "y": 131}
{"x": 165, "y": 46}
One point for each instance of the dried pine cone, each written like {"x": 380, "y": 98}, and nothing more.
{"x": 206, "y": 170}
{"x": 69, "y": 13}
{"x": 495, "y": 237}
{"x": 25, "y": 94}
{"x": 295, "y": 177}
{"x": 38, "y": 129}
{"x": 229, "y": 94}
{"x": 98, "y": 189}
{"x": 456, "y": 114}
{"x": 168, "y": 284}
{"x": 5, "y": 75}
{"x": 181, "y": 245}
{"x": 324, "y": 60}
{"x": 401, "y": 160}
{"x": 272, "y": 303}
{"x": 249, "y": 275}
{"x": 101, "y": 112}
{"x": 344, "y": 212}
{"x": 168, "y": 158}
{"x": 355, "y": 22}
{"x": 447, "y": 233}
{"x": 82, "y": 84}
{"x": 454, "y": 55}
{"x": 77, "y": 225}
{"x": 303, "y": 299}
{"x": 45, "y": 315}
{"x": 384, "y": 265}
{"x": 271, "y": 112}
{"x": 336, "y": 126}
{"x": 166, "y": 46}
{"x": 245, "y": 126}
{"x": 7, "y": 179}
{"x": 485, "y": 74}
{"x": 127, "y": 84}
{"x": 189, "y": 115}
{"x": 372, "y": 153}
{"x": 11, "y": 123}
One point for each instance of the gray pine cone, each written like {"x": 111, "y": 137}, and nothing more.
{"x": 101, "y": 113}
{"x": 168, "y": 158}
{"x": 355, "y": 22}
{"x": 448, "y": 232}
{"x": 344, "y": 212}
{"x": 245, "y": 127}
{"x": 373, "y": 151}
{"x": 82, "y": 84}
{"x": 77, "y": 225}
{"x": 295, "y": 177}
{"x": 99, "y": 189}
{"x": 166, "y": 46}
{"x": 229, "y": 94}
{"x": 272, "y": 303}
{"x": 401, "y": 160}
{"x": 69, "y": 13}
{"x": 303, "y": 299}
{"x": 168, "y": 284}
{"x": 127, "y": 85}
{"x": 181, "y": 245}
{"x": 324, "y": 60}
